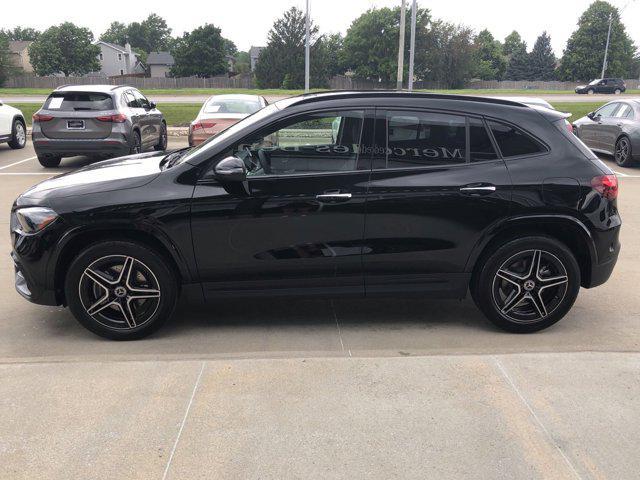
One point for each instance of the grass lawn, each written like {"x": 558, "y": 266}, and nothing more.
{"x": 180, "y": 114}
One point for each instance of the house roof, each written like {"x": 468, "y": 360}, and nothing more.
{"x": 160, "y": 58}
{"x": 17, "y": 46}
{"x": 113, "y": 45}
{"x": 255, "y": 51}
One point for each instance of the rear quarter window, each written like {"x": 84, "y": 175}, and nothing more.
{"x": 513, "y": 142}
{"x": 78, "y": 101}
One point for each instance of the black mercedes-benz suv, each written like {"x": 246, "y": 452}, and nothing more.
{"x": 350, "y": 193}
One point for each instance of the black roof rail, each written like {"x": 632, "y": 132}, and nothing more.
{"x": 326, "y": 95}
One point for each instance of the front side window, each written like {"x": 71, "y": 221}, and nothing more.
{"x": 512, "y": 141}
{"x": 416, "y": 139}
{"x": 312, "y": 143}
{"x": 141, "y": 99}
{"x": 607, "y": 110}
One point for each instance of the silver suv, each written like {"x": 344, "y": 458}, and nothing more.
{"x": 96, "y": 120}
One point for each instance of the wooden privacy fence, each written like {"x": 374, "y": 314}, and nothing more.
{"x": 535, "y": 85}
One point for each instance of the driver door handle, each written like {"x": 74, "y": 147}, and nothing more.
{"x": 333, "y": 197}
{"x": 478, "y": 189}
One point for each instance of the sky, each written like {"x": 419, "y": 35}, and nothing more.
{"x": 247, "y": 22}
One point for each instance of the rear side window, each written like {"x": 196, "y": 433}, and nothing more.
{"x": 513, "y": 142}
{"x": 78, "y": 101}
{"x": 417, "y": 139}
{"x": 481, "y": 147}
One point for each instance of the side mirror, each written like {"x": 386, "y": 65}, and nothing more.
{"x": 231, "y": 169}
{"x": 152, "y": 105}
{"x": 591, "y": 115}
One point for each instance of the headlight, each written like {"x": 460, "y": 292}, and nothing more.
{"x": 35, "y": 219}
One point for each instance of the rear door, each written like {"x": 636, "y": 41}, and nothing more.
{"x": 76, "y": 115}
{"x": 296, "y": 225}
{"x": 437, "y": 184}
{"x": 149, "y": 121}
{"x": 606, "y": 127}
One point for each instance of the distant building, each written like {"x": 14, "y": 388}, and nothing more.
{"x": 254, "y": 54}
{"x": 117, "y": 60}
{"x": 160, "y": 64}
{"x": 231, "y": 63}
{"x": 19, "y": 55}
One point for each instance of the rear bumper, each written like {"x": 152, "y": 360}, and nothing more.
{"x": 115, "y": 144}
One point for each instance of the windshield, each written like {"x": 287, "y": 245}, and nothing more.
{"x": 233, "y": 129}
{"x": 231, "y": 105}
{"x": 596, "y": 81}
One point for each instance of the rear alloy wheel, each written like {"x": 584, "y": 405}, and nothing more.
{"x": 617, "y": 91}
{"x": 528, "y": 284}
{"x": 18, "y": 135}
{"x": 590, "y": 92}
{"x": 136, "y": 144}
{"x": 120, "y": 290}
{"x": 49, "y": 161}
{"x": 163, "y": 140}
{"x": 622, "y": 152}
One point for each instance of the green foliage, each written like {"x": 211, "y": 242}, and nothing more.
{"x": 450, "y": 55}
{"x": 281, "y": 63}
{"x": 243, "y": 62}
{"x": 371, "y": 43}
{"x": 542, "y": 61}
{"x": 200, "y": 53}
{"x": 150, "y": 35}
{"x": 512, "y": 42}
{"x": 583, "y": 57}
{"x": 490, "y": 62}
{"x": 518, "y": 66}
{"x": 19, "y": 33}
{"x": 6, "y": 68}
{"x": 64, "y": 48}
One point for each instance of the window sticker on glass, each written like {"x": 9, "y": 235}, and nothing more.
{"x": 55, "y": 103}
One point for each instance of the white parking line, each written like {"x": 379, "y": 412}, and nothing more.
{"x": 18, "y": 162}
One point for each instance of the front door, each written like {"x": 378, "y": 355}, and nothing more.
{"x": 296, "y": 224}
{"x": 430, "y": 199}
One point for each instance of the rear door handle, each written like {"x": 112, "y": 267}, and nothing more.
{"x": 333, "y": 197}
{"x": 478, "y": 189}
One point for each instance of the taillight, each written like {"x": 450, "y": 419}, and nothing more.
{"x": 569, "y": 126}
{"x": 39, "y": 117}
{"x": 606, "y": 185}
{"x": 117, "y": 118}
{"x": 203, "y": 124}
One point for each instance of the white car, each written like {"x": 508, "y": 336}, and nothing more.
{"x": 13, "y": 128}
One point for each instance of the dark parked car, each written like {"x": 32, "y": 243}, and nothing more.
{"x": 613, "y": 129}
{"x": 96, "y": 120}
{"x": 368, "y": 194}
{"x": 603, "y": 85}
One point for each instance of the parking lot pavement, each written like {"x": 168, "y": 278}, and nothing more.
{"x": 308, "y": 388}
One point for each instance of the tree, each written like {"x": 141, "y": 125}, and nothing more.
{"x": 243, "y": 62}
{"x": 518, "y": 66}
{"x": 450, "y": 58}
{"x": 583, "y": 57}
{"x": 512, "y": 42}
{"x": 371, "y": 43}
{"x": 6, "y": 68}
{"x": 200, "y": 53}
{"x": 116, "y": 34}
{"x": 542, "y": 61}
{"x": 19, "y": 33}
{"x": 64, "y": 48}
{"x": 281, "y": 63}
{"x": 490, "y": 63}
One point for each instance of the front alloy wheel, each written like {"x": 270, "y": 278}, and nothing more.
{"x": 121, "y": 290}
{"x": 19, "y": 137}
{"x": 622, "y": 153}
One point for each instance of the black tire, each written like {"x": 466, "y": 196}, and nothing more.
{"x": 623, "y": 154}
{"x": 545, "y": 294}
{"x": 125, "y": 306}
{"x": 49, "y": 161}
{"x": 617, "y": 91}
{"x": 162, "y": 142}
{"x": 136, "y": 143}
{"x": 590, "y": 91}
{"x": 18, "y": 135}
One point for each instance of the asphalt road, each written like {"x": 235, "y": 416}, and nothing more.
{"x": 572, "y": 98}
{"x": 391, "y": 388}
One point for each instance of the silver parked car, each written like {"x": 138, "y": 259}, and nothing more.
{"x": 613, "y": 129}
{"x": 96, "y": 120}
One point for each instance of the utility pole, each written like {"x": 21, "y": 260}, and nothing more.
{"x": 606, "y": 48}
{"x": 412, "y": 49}
{"x": 306, "y": 52}
{"x": 401, "y": 48}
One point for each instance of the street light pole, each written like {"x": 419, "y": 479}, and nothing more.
{"x": 306, "y": 52}
{"x": 412, "y": 50}
{"x": 401, "y": 48}
{"x": 606, "y": 48}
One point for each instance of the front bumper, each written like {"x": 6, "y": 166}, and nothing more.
{"x": 30, "y": 288}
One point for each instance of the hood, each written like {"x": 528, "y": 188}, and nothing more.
{"x": 581, "y": 87}
{"x": 117, "y": 174}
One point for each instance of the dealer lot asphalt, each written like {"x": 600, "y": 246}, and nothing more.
{"x": 389, "y": 388}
